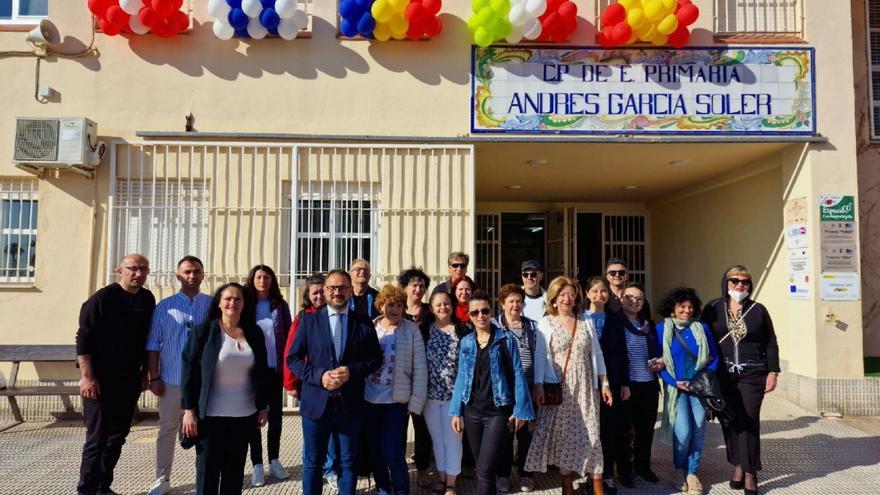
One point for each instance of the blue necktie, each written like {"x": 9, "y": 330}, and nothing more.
{"x": 337, "y": 336}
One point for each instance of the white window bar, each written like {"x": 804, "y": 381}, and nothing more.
{"x": 18, "y": 230}
{"x": 762, "y": 17}
{"x": 623, "y": 236}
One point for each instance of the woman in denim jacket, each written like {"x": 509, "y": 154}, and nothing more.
{"x": 490, "y": 394}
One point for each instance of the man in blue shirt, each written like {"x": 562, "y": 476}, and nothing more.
{"x": 172, "y": 321}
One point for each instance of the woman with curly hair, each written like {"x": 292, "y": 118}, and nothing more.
{"x": 688, "y": 347}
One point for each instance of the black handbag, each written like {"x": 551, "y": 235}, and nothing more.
{"x": 706, "y": 387}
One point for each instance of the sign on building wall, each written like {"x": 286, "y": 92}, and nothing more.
{"x": 585, "y": 90}
{"x": 837, "y": 241}
{"x": 798, "y": 245}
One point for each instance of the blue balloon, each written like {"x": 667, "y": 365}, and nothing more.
{"x": 242, "y": 33}
{"x": 348, "y": 9}
{"x": 366, "y": 25}
{"x": 347, "y": 28}
{"x": 273, "y": 32}
{"x": 235, "y": 4}
{"x": 270, "y": 19}
{"x": 238, "y": 19}
{"x": 364, "y": 4}
{"x": 268, "y": 4}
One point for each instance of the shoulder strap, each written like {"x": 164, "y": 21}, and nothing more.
{"x": 568, "y": 354}
{"x": 683, "y": 343}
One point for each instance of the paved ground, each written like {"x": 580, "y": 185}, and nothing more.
{"x": 803, "y": 454}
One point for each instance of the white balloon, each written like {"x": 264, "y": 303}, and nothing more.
{"x": 255, "y": 28}
{"x": 136, "y": 26}
{"x": 285, "y": 8}
{"x": 300, "y": 19}
{"x": 515, "y": 35}
{"x": 223, "y": 30}
{"x": 518, "y": 15}
{"x": 219, "y": 9}
{"x": 252, "y": 8}
{"x": 535, "y": 8}
{"x": 131, "y": 7}
{"x": 532, "y": 29}
{"x": 287, "y": 29}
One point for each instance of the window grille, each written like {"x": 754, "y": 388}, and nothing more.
{"x": 760, "y": 17}
{"x": 624, "y": 236}
{"x": 873, "y": 40}
{"x": 18, "y": 230}
{"x": 488, "y": 255}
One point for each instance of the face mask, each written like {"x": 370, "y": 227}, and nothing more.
{"x": 737, "y": 296}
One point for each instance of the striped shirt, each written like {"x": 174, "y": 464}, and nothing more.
{"x": 637, "y": 349}
{"x": 524, "y": 338}
{"x": 169, "y": 331}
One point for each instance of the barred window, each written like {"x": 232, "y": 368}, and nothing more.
{"x": 762, "y": 17}
{"x": 163, "y": 219}
{"x": 873, "y": 16}
{"x": 23, "y": 11}
{"x": 18, "y": 230}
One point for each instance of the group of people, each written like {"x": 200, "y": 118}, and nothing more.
{"x": 566, "y": 378}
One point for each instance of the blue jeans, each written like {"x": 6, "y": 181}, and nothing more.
{"x": 688, "y": 434}
{"x": 331, "y": 465}
{"x": 316, "y": 437}
{"x": 386, "y": 446}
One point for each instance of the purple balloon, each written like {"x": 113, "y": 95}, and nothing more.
{"x": 270, "y": 19}
{"x": 238, "y": 19}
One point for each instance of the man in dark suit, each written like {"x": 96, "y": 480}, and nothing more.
{"x": 333, "y": 352}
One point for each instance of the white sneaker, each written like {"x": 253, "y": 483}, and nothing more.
{"x": 259, "y": 477}
{"x": 502, "y": 485}
{"x": 527, "y": 484}
{"x": 160, "y": 487}
{"x": 277, "y": 470}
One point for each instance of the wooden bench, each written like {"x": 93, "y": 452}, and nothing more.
{"x": 39, "y": 353}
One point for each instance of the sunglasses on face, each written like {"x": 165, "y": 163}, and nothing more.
{"x": 477, "y": 312}
{"x": 737, "y": 281}
{"x": 458, "y": 266}
{"x": 616, "y": 273}
{"x": 529, "y": 274}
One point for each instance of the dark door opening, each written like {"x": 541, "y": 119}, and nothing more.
{"x": 589, "y": 246}
{"x": 522, "y": 237}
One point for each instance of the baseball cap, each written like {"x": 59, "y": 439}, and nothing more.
{"x": 532, "y": 265}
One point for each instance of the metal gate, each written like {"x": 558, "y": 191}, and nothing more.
{"x": 488, "y": 253}
{"x": 624, "y": 236}
{"x": 297, "y": 207}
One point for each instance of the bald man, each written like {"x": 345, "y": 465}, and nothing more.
{"x": 110, "y": 343}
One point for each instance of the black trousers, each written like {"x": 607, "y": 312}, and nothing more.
{"x": 423, "y": 448}
{"x": 745, "y": 393}
{"x": 107, "y": 421}
{"x": 614, "y": 433}
{"x": 273, "y": 434}
{"x": 523, "y": 441}
{"x": 487, "y": 435}
{"x": 640, "y": 415}
{"x": 221, "y": 454}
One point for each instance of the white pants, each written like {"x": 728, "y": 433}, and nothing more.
{"x": 170, "y": 415}
{"x": 447, "y": 443}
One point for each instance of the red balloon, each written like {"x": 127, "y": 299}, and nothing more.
{"x": 687, "y": 14}
{"x": 108, "y": 28}
{"x": 434, "y": 27}
{"x": 568, "y": 9}
{"x": 179, "y": 20}
{"x": 116, "y": 16}
{"x": 415, "y": 32}
{"x": 177, "y": 4}
{"x": 680, "y": 37}
{"x": 163, "y": 7}
{"x": 621, "y": 33}
{"x": 568, "y": 26}
{"x": 148, "y": 17}
{"x": 684, "y": 2}
{"x": 432, "y": 6}
{"x": 415, "y": 12}
{"x": 604, "y": 37}
{"x": 99, "y": 7}
{"x": 613, "y": 14}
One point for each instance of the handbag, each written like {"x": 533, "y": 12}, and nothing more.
{"x": 553, "y": 391}
{"x": 707, "y": 389}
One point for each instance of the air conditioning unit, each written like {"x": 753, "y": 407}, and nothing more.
{"x": 56, "y": 143}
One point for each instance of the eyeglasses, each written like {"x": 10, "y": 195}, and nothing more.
{"x": 634, "y": 299}
{"x": 737, "y": 281}
{"x": 458, "y": 266}
{"x": 135, "y": 269}
{"x": 360, "y": 269}
{"x": 616, "y": 273}
{"x": 477, "y": 312}
{"x": 336, "y": 288}
{"x": 529, "y": 274}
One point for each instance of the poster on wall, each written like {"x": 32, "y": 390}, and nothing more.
{"x": 840, "y": 286}
{"x": 798, "y": 243}
{"x": 838, "y": 248}
{"x": 637, "y": 90}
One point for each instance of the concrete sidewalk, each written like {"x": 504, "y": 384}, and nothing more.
{"x": 802, "y": 453}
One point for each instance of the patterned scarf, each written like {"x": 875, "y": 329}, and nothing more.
{"x": 670, "y": 402}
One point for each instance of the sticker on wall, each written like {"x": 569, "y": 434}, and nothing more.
{"x": 257, "y": 18}
{"x": 515, "y": 20}
{"x": 383, "y": 20}
{"x": 659, "y": 22}
{"x": 160, "y": 17}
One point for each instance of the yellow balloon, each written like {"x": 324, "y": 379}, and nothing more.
{"x": 628, "y": 4}
{"x": 636, "y": 18}
{"x": 669, "y": 6}
{"x": 668, "y": 25}
{"x": 654, "y": 10}
{"x": 648, "y": 32}
{"x": 400, "y": 5}
{"x": 381, "y": 31}
{"x": 660, "y": 40}
{"x": 381, "y": 11}
{"x": 632, "y": 39}
{"x": 398, "y": 25}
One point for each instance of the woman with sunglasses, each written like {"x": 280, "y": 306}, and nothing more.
{"x": 567, "y": 435}
{"x": 748, "y": 347}
{"x": 490, "y": 398}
